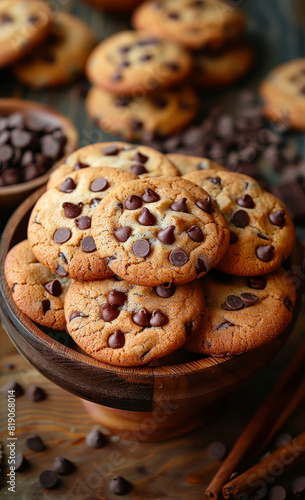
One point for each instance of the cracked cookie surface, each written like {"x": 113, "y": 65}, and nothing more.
{"x": 128, "y": 325}
{"x": 59, "y": 229}
{"x": 262, "y": 232}
{"x": 243, "y": 313}
{"x": 38, "y": 292}
{"x": 140, "y": 160}
{"x": 160, "y": 230}
{"x": 186, "y": 164}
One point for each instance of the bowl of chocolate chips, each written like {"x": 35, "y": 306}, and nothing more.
{"x": 33, "y": 139}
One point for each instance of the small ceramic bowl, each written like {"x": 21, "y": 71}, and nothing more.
{"x": 11, "y": 196}
{"x": 159, "y": 401}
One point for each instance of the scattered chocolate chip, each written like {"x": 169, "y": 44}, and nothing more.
{"x": 67, "y": 186}
{"x": 240, "y": 218}
{"x": 201, "y": 266}
{"x": 224, "y": 324}
{"x": 95, "y": 439}
{"x": 166, "y": 290}
{"x": 249, "y": 299}
{"x": 14, "y": 387}
{"x": 116, "y": 340}
{"x": 159, "y": 101}
{"x": 141, "y": 248}
{"x": 246, "y": 201}
{"x": 180, "y": 206}
{"x": 88, "y": 244}
{"x": 62, "y": 235}
{"x": 63, "y": 466}
{"x": 262, "y": 236}
{"x": 133, "y": 202}
{"x": 46, "y": 306}
{"x": 288, "y": 304}
{"x": 21, "y": 462}
{"x": 278, "y": 218}
{"x": 35, "y": 443}
{"x": 138, "y": 169}
{"x": 205, "y": 204}
{"x": 6, "y": 153}
{"x": 173, "y": 15}
{"x": 142, "y": 317}
{"x": 79, "y": 165}
{"x": 150, "y": 196}
{"x": 195, "y": 233}
{"x": 158, "y": 318}
{"x": 178, "y": 257}
{"x": 136, "y": 125}
{"x": 217, "y": 450}
{"x": 71, "y": 211}
{"x": 5, "y": 18}
{"x": 173, "y": 66}
{"x": 122, "y": 234}
{"x": 257, "y": 282}
{"x": 277, "y": 493}
{"x": 234, "y": 303}
{"x": 54, "y": 288}
{"x": 48, "y": 479}
{"x": 94, "y": 203}
{"x": 35, "y": 393}
{"x": 140, "y": 157}
{"x": 63, "y": 257}
{"x": 166, "y": 235}
{"x": 122, "y": 101}
{"x": 116, "y": 298}
{"x": 215, "y": 180}
{"x": 61, "y": 271}
{"x": 283, "y": 439}
{"x": 111, "y": 150}
{"x": 119, "y": 486}
{"x": 109, "y": 313}
{"x": 298, "y": 486}
{"x": 265, "y": 253}
{"x": 77, "y": 314}
{"x": 146, "y": 218}
{"x": 99, "y": 185}
{"x": 233, "y": 238}
{"x": 83, "y": 222}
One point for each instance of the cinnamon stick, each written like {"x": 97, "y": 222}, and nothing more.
{"x": 268, "y": 470}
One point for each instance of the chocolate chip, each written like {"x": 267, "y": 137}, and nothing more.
{"x": 88, "y": 244}
{"x": 83, "y": 222}
{"x": 71, "y": 211}
{"x": 35, "y": 394}
{"x": 146, "y": 218}
{"x": 122, "y": 234}
{"x": 21, "y": 462}
{"x": 246, "y": 201}
{"x": 278, "y": 218}
{"x": 54, "y": 288}
{"x": 233, "y": 238}
{"x": 180, "y": 206}
{"x": 48, "y": 479}
{"x": 200, "y": 266}
{"x": 257, "y": 282}
{"x": 67, "y": 186}
{"x": 195, "y": 233}
{"x": 109, "y": 313}
{"x": 79, "y": 165}
{"x": 172, "y": 65}
{"x": 277, "y": 493}
{"x": 119, "y": 486}
{"x": 159, "y": 101}
{"x": 20, "y": 138}
{"x": 217, "y": 450}
{"x": 173, "y": 15}
{"x": 288, "y": 304}
{"x": 116, "y": 298}
{"x": 234, "y": 303}
{"x": 249, "y": 299}
{"x": 111, "y": 150}
{"x": 150, "y": 196}
{"x": 46, "y": 306}
{"x": 94, "y": 203}
{"x": 166, "y": 290}
{"x": 61, "y": 271}
{"x": 77, "y": 314}
{"x": 63, "y": 257}
{"x": 141, "y": 248}
{"x": 95, "y": 439}
{"x": 35, "y": 443}
{"x": 50, "y": 146}
{"x": 116, "y": 340}
{"x": 136, "y": 125}
{"x": 178, "y": 257}
{"x": 133, "y": 202}
{"x": 166, "y": 235}
{"x": 158, "y": 318}
{"x": 265, "y": 253}
{"x": 142, "y": 317}
{"x": 205, "y": 204}
{"x": 224, "y": 324}
{"x": 116, "y": 77}
{"x": 63, "y": 466}
{"x": 62, "y": 235}
{"x": 6, "y": 153}
{"x": 298, "y": 486}
{"x": 240, "y": 218}
{"x": 99, "y": 185}
{"x": 138, "y": 169}
{"x": 122, "y": 101}
{"x": 14, "y": 387}
{"x": 5, "y": 18}
{"x": 215, "y": 180}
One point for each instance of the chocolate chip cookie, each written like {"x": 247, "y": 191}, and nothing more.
{"x": 192, "y": 23}
{"x": 243, "y": 313}
{"x": 186, "y": 163}
{"x": 283, "y": 92}
{"x": 135, "y": 63}
{"x": 59, "y": 229}
{"x": 61, "y": 58}
{"x": 262, "y": 232}
{"x": 37, "y": 291}
{"x": 154, "y": 231}
{"x": 127, "y": 325}
{"x": 23, "y": 25}
{"x": 140, "y": 160}
{"x": 158, "y": 114}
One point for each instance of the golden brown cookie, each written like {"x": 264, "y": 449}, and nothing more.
{"x": 243, "y": 313}
{"x": 186, "y": 163}
{"x": 136, "y": 119}
{"x": 59, "y": 229}
{"x": 37, "y": 291}
{"x": 262, "y": 232}
{"x": 128, "y": 325}
{"x": 140, "y": 160}
{"x": 159, "y": 230}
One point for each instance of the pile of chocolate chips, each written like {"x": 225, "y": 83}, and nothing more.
{"x": 28, "y": 148}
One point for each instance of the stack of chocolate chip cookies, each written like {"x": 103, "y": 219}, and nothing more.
{"x": 139, "y": 262}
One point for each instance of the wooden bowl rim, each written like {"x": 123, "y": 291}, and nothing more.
{"x": 8, "y": 105}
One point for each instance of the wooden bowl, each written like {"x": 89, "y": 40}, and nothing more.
{"x": 157, "y": 401}
{"x": 11, "y": 196}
